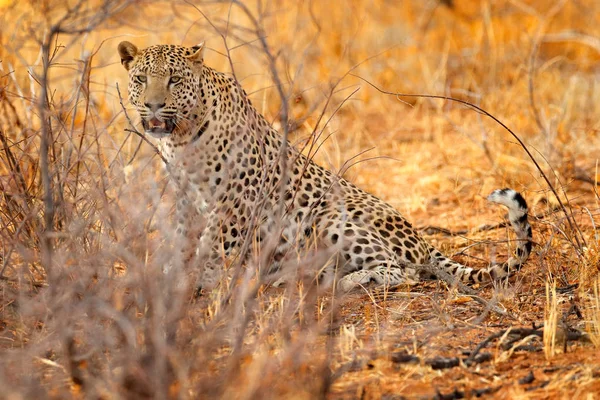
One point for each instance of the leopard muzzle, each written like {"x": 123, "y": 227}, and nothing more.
{"x": 157, "y": 128}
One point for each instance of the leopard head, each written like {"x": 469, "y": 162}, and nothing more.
{"x": 164, "y": 86}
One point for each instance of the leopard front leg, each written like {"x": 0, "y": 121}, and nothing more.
{"x": 211, "y": 255}
{"x": 194, "y": 233}
{"x": 189, "y": 228}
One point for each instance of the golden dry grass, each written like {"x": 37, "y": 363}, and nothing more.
{"x": 98, "y": 319}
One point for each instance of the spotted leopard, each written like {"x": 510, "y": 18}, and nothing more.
{"x": 225, "y": 159}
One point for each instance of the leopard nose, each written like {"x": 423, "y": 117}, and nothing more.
{"x": 154, "y": 106}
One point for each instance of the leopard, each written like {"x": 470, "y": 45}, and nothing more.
{"x": 237, "y": 176}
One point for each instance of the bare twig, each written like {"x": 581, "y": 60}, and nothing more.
{"x": 135, "y": 131}
{"x": 580, "y": 241}
{"x": 453, "y": 281}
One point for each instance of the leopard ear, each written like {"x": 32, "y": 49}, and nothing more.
{"x": 197, "y": 55}
{"x": 127, "y": 51}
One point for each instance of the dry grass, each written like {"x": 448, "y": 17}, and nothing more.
{"x": 85, "y": 225}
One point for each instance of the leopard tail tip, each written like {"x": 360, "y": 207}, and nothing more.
{"x": 509, "y": 198}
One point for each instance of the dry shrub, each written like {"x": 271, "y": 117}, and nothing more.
{"x": 85, "y": 215}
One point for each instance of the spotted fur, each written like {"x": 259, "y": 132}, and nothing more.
{"x": 224, "y": 156}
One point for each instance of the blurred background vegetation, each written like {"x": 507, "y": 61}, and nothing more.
{"x": 84, "y": 210}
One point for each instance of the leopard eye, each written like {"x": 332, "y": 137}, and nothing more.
{"x": 174, "y": 80}
{"x": 141, "y": 78}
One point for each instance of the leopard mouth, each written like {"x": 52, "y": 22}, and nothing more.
{"x": 157, "y": 128}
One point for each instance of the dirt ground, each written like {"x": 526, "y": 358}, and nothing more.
{"x": 417, "y": 339}
{"x": 442, "y": 332}
{"x": 95, "y": 317}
